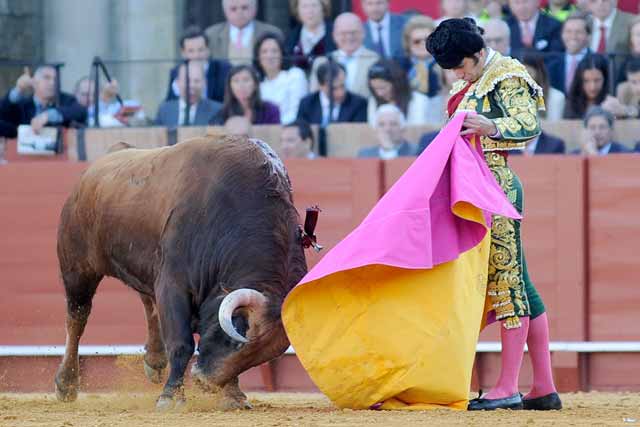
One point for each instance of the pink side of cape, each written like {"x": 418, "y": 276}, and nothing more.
{"x": 413, "y": 226}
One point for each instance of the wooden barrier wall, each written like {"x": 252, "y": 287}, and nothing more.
{"x": 343, "y": 139}
{"x": 581, "y": 234}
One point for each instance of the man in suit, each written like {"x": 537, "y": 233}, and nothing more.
{"x": 598, "y": 140}
{"x": 576, "y": 36}
{"x": 532, "y": 30}
{"x": 610, "y": 27}
{"x": 32, "y": 102}
{"x": 173, "y": 113}
{"x": 296, "y": 141}
{"x": 194, "y": 46}
{"x": 543, "y": 144}
{"x": 347, "y": 106}
{"x": 234, "y": 38}
{"x": 383, "y": 30}
{"x": 389, "y": 123}
{"x": 348, "y": 34}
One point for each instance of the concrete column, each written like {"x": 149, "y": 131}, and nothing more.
{"x": 74, "y": 32}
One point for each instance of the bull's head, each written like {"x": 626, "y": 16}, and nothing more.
{"x": 253, "y": 301}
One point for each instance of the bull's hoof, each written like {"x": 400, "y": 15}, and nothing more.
{"x": 154, "y": 375}
{"x": 227, "y": 404}
{"x": 169, "y": 403}
{"x": 66, "y": 393}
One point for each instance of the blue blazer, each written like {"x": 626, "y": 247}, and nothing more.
{"x": 396, "y": 22}
{"x": 353, "y": 109}
{"x": 546, "y": 37}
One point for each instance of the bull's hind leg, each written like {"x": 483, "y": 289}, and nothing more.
{"x": 155, "y": 359}
{"x": 80, "y": 289}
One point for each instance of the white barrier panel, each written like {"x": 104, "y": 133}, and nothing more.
{"x": 483, "y": 347}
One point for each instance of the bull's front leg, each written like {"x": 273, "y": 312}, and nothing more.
{"x": 174, "y": 308}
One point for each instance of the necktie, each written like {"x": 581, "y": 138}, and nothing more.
{"x": 602, "y": 46}
{"x": 380, "y": 46}
{"x": 568, "y": 78}
{"x": 239, "y": 39}
{"x": 420, "y": 81}
{"x": 527, "y": 34}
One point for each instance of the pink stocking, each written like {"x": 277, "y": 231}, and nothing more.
{"x": 513, "y": 341}
{"x": 538, "y": 342}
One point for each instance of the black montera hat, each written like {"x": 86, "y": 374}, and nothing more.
{"x": 453, "y": 40}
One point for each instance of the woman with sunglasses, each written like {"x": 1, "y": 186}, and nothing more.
{"x": 424, "y": 74}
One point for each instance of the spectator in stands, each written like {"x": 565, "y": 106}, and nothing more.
{"x": 453, "y": 9}
{"x": 32, "y": 102}
{"x": 112, "y": 113}
{"x": 194, "y": 46}
{"x": 280, "y": 83}
{"x": 497, "y": 36}
{"x": 347, "y": 106}
{"x": 242, "y": 98}
{"x": 383, "y": 30}
{"x": 553, "y": 98}
{"x": 589, "y": 86}
{"x": 312, "y": 37}
{"x": 234, "y": 39}
{"x": 389, "y": 123}
{"x": 389, "y": 85}
{"x": 576, "y": 34}
{"x": 173, "y": 113}
{"x": 532, "y": 30}
{"x": 238, "y": 125}
{"x": 348, "y": 34}
{"x": 423, "y": 72}
{"x": 610, "y": 27}
{"x": 626, "y": 104}
{"x": 296, "y": 141}
{"x": 559, "y": 9}
{"x": 598, "y": 135}
{"x": 634, "y": 49}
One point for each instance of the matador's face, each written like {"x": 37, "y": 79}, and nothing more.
{"x": 470, "y": 69}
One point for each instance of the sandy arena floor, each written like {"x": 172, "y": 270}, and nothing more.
{"x": 289, "y": 409}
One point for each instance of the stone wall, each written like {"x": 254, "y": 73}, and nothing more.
{"x": 21, "y": 23}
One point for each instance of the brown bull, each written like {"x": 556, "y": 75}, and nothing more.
{"x": 206, "y": 232}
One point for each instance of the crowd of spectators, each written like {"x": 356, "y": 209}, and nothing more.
{"x": 244, "y": 72}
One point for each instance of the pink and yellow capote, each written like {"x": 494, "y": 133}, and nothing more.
{"x": 393, "y": 312}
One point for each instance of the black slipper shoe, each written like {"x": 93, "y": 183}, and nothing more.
{"x": 550, "y": 402}
{"x": 512, "y": 402}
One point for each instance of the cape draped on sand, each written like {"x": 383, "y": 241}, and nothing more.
{"x": 393, "y": 312}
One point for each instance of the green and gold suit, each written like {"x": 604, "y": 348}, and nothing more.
{"x": 506, "y": 94}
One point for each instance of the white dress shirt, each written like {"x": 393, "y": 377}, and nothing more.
{"x": 324, "y": 103}
{"x": 247, "y": 34}
{"x": 531, "y": 24}
{"x": 608, "y": 23}
{"x": 386, "y": 39}
{"x": 286, "y": 91}
{"x": 182, "y": 109}
{"x": 350, "y": 63}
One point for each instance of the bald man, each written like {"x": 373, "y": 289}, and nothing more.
{"x": 497, "y": 36}
{"x": 348, "y": 33}
{"x": 234, "y": 38}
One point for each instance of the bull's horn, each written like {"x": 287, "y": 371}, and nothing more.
{"x": 235, "y": 299}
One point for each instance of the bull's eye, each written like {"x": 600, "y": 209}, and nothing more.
{"x": 240, "y": 324}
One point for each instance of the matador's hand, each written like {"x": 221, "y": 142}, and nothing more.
{"x": 479, "y": 125}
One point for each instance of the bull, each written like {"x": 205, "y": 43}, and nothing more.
{"x": 206, "y": 232}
